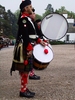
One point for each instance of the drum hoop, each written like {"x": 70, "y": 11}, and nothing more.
{"x": 65, "y": 20}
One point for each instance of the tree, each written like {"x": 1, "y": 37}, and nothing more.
{"x": 17, "y": 12}
{"x": 62, "y": 10}
{"x": 4, "y": 23}
{"x": 13, "y": 22}
{"x": 49, "y": 9}
{"x": 38, "y": 17}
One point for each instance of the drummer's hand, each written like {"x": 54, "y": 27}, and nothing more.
{"x": 43, "y": 43}
{"x": 29, "y": 54}
{"x": 48, "y": 41}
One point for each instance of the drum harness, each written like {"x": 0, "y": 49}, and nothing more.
{"x": 33, "y": 37}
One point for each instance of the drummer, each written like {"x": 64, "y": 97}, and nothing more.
{"x": 37, "y": 24}
{"x": 32, "y": 74}
{"x": 39, "y": 34}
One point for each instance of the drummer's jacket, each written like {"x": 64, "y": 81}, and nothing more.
{"x": 27, "y": 30}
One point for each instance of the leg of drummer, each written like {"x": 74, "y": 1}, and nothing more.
{"x": 31, "y": 73}
{"x": 25, "y": 92}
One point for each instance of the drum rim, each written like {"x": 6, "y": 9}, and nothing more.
{"x": 65, "y": 20}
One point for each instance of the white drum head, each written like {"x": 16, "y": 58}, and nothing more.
{"x": 39, "y": 54}
{"x": 54, "y": 26}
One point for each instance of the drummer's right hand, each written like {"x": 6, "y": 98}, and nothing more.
{"x": 43, "y": 43}
{"x": 29, "y": 53}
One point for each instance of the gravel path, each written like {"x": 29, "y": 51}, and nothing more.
{"x": 57, "y": 80}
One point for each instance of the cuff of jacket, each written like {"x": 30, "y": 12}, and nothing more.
{"x": 45, "y": 40}
{"x": 38, "y": 40}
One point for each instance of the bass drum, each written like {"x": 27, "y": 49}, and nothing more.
{"x": 42, "y": 56}
{"x": 54, "y": 26}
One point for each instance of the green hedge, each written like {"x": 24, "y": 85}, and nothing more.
{"x": 56, "y": 42}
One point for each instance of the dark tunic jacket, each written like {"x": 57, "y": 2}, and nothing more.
{"x": 26, "y": 28}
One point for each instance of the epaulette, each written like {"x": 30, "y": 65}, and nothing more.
{"x": 23, "y": 16}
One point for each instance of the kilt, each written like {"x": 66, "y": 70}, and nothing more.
{"x": 17, "y": 64}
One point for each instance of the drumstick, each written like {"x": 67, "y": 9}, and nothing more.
{"x": 47, "y": 44}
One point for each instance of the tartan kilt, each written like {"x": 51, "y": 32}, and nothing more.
{"x": 18, "y": 60}
{"x": 21, "y": 67}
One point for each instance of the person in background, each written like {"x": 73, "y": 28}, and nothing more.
{"x": 32, "y": 74}
{"x": 37, "y": 24}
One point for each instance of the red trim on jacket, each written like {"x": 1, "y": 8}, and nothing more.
{"x": 29, "y": 47}
{"x": 38, "y": 40}
{"x": 24, "y": 15}
{"x": 45, "y": 40}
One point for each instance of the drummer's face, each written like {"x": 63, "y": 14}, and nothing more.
{"x": 28, "y": 9}
{"x": 32, "y": 16}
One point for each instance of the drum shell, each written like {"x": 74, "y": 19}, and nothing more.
{"x": 40, "y": 63}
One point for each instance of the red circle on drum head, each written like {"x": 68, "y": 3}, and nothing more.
{"x": 46, "y": 51}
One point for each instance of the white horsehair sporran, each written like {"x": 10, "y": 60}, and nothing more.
{"x": 18, "y": 52}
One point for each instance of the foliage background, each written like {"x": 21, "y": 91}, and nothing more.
{"x": 8, "y": 20}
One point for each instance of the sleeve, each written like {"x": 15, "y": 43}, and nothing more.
{"x": 38, "y": 40}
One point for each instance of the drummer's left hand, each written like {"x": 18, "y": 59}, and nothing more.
{"x": 43, "y": 43}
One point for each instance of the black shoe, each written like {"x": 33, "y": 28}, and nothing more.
{"x": 27, "y": 94}
{"x": 30, "y": 92}
{"x": 34, "y": 77}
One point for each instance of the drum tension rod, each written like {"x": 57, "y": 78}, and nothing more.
{"x": 49, "y": 17}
